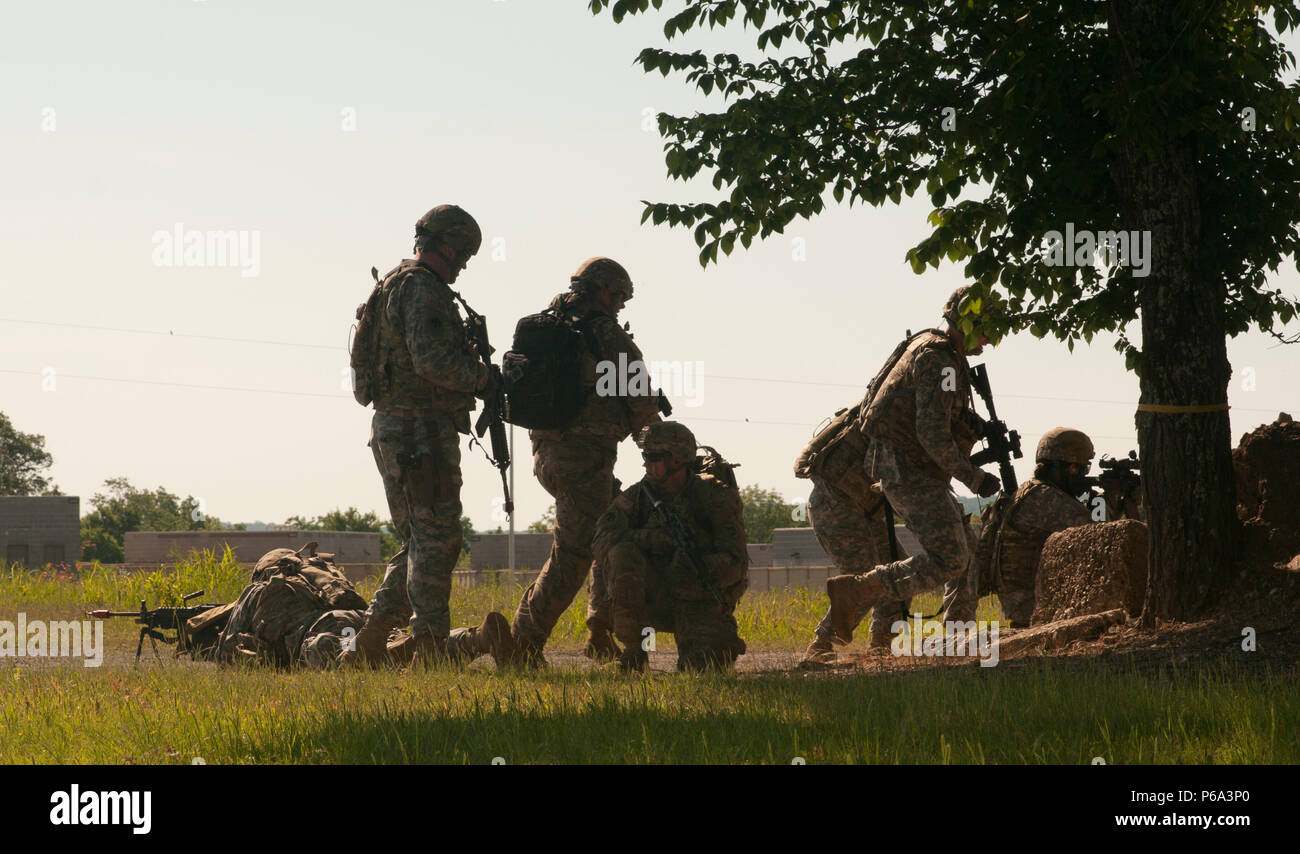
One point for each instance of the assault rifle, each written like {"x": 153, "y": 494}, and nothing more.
{"x": 1003, "y": 444}
{"x": 1119, "y": 478}
{"x": 158, "y": 620}
{"x": 496, "y": 411}
{"x": 681, "y": 538}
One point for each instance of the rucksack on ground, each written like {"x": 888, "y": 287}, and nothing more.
{"x": 542, "y": 370}
{"x": 275, "y": 613}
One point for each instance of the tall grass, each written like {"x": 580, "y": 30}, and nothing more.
{"x": 776, "y": 619}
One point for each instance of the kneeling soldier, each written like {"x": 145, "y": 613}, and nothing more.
{"x": 1041, "y": 507}
{"x": 674, "y": 547}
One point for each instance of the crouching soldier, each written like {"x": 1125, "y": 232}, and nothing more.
{"x": 1013, "y": 538}
{"x": 674, "y": 547}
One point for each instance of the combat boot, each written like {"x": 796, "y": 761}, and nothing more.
{"x": 369, "y": 644}
{"x": 818, "y": 654}
{"x": 601, "y": 646}
{"x": 632, "y": 660}
{"x": 411, "y": 648}
{"x": 849, "y": 594}
{"x": 492, "y": 637}
{"x": 523, "y": 655}
{"x": 884, "y": 641}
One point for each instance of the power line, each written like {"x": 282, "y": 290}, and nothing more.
{"x": 338, "y": 396}
{"x": 171, "y": 334}
{"x": 175, "y": 385}
{"x": 305, "y": 345}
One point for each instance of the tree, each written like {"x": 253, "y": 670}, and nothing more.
{"x": 124, "y": 508}
{"x": 544, "y": 525}
{"x": 766, "y": 510}
{"x": 466, "y": 531}
{"x": 1147, "y": 117}
{"x": 24, "y": 462}
{"x": 353, "y": 519}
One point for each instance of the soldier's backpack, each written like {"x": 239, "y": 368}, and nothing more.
{"x": 363, "y": 349}
{"x": 714, "y": 466}
{"x": 986, "y": 567}
{"x": 813, "y": 458}
{"x": 542, "y": 370}
{"x": 274, "y": 614}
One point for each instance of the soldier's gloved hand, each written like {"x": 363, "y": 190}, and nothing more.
{"x": 988, "y": 486}
{"x": 489, "y": 387}
{"x": 726, "y": 569}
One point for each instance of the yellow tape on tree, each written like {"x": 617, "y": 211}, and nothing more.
{"x": 1170, "y": 409}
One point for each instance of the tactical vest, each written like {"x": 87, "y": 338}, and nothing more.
{"x": 1015, "y": 553}
{"x": 890, "y": 414}
{"x": 712, "y": 481}
{"x": 400, "y": 390}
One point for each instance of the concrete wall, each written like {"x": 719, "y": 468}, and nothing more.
{"x": 490, "y": 551}
{"x": 43, "y": 529}
{"x": 794, "y": 558}
{"x": 348, "y": 547}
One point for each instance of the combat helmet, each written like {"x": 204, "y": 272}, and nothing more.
{"x": 454, "y": 225}
{"x": 1065, "y": 445}
{"x": 989, "y": 309}
{"x": 952, "y": 308}
{"x": 601, "y": 272}
{"x": 668, "y": 437}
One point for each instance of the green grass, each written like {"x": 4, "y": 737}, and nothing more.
{"x": 779, "y": 620}
{"x": 1045, "y": 711}
{"x": 1051, "y": 713}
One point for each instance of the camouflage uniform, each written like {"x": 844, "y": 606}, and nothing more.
{"x": 920, "y": 435}
{"x": 431, "y": 375}
{"x": 328, "y": 637}
{"x": 846, "y": 509}
{"x": 1038, "y": 510}
{"x": 652, "y": 585}
{"x": 576, "y": 466}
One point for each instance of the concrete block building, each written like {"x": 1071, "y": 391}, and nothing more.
{"x": 40, "y": 529}
{"x": 157, "y": 547}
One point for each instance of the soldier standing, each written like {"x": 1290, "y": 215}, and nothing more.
{"x": 1041, "y": 507}
{"x": 919, "y": 429}
{"x": 654, "y": 586}
{"x": 427, "y": 376}
{"x": 576, "y": 465}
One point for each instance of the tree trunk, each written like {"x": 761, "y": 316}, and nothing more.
{"x": 1186, "y": 457}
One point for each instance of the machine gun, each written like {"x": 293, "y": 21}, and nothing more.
{"x": 1003, "y": 444}
{"x": 496, "y": 410}
{"x": 158, "y": 620}
{"x": 1118, "y": 481}
{"x": 677, "y": 532}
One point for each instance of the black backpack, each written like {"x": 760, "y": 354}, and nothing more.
{"x": 542, "y": 370}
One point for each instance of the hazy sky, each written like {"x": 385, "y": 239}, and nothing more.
{"x": 322, "y": 131}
